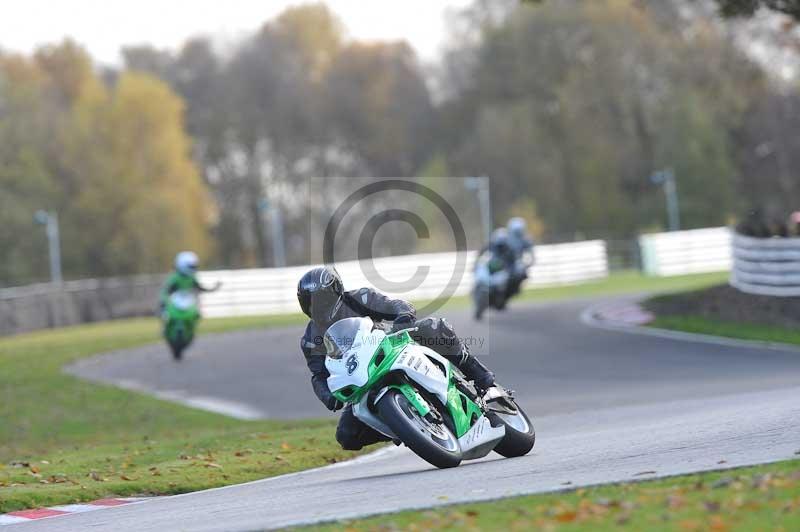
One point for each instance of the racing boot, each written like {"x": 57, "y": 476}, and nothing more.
{"x": 475, "y": 371}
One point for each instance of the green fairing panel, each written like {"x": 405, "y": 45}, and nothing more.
{"x": 413, "y": 396}
{"x": 463, "y": 419}
{"x": 391, "y": 345}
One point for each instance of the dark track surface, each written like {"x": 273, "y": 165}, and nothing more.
{"x": 556, "y": 363}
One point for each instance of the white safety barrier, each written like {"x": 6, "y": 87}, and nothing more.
{"x": 766, "y": 266}
{"x": 686, "y": 252}
{"x": 414, "y": 277}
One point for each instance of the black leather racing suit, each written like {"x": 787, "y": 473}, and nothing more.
{"x": 437, "y": 333}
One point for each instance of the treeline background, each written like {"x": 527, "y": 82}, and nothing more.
{"x": 568, "y": 106}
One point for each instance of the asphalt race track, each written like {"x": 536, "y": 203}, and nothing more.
{"x": 608, "y": 406}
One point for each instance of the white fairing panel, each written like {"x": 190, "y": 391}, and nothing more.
{"x": 183, "y": 300}
{"x": 415, "y": 361}
{"x": 361, "y": 411}
{"x": 479, "y": 440}
{"x": 353, "y": 367}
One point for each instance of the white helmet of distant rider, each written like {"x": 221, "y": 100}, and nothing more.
{"x": 517, "y": 228}
{"x": 186, "y": 262}
{"x": 499, "y": 237}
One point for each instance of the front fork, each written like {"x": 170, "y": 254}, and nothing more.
{"x": 417, "y": 401}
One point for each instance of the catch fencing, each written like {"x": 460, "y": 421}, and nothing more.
{"x": 686, "y": 252}
{"x": 273, "y": 291}
{"x": 766, "y": 266}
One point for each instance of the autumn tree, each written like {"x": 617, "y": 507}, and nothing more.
{"x": 574, "y": 104}
{"x": 114, "y": 162}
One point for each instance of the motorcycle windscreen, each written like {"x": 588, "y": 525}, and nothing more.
{"x": 183, "y": 300}
{"x": 346, "y": 335}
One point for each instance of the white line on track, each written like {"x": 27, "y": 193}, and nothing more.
{"x": 211, "y": 404}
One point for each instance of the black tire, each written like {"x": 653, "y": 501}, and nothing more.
{"x": 481, "y": 299}
{"x": 396, "y": 411}
{"x": 178, "y": 346}
{"x": 515, "y": 442}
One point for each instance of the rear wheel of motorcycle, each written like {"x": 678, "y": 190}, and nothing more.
{"x": 520, "y": 434}
{"x": 433, "y": 442}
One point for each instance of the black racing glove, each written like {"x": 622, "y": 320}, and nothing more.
{"x": 325, "y": 395}
{"x": 333, "y": 404}
{"x": 403, "y": 321}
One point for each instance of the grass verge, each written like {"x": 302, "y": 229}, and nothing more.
{"x": 728, "y": 329}
{"x": 64, "y": 440}
{"x": 721, "y": 310}
{"x": 755, "y": 498}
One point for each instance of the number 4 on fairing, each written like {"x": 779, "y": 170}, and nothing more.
{"x": 410, "y": 393}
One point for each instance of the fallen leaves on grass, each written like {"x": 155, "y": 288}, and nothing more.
{"x": 60, "y": 479}
{"x": 675, "y": 501}
{"x": 718, "y": 525}
{"x": 724, "y": 482}
{"x": 566, "y": 516}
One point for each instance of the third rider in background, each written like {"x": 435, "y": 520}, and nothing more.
{"x": 521, "y": 245}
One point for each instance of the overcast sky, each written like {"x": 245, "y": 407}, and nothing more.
{"x": 105, "y": 25}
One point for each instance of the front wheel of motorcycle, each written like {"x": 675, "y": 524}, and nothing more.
{"x": 481, "y": 300}
{"x": 520, "y": 435}
{"x": 177, "y": 345}
{"x": 431, "y": 441}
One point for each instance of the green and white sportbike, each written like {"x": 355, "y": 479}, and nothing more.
{"x": 180, "y": 321}
{"x": 410, "y": 393}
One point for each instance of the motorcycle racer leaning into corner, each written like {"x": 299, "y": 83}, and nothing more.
{"x": 323, "y": 299}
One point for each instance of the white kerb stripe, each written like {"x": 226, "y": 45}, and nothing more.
{"x": 77, "y": 508}
{"x": 12, "y": 519}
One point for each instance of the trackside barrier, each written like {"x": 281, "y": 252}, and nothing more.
{"x": 42, "y": 306}
{"x": 273, "y": 290}
{"x": 766, "y": 266}
{"x": 686, "y": 252}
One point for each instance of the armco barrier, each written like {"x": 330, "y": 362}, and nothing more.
{"x": 272, "y": 290}
{"x": 269, "y": 291}
{"x": 766, "y": 266}
{"x": 43, "y": 306}
{"x": 686, "y": 252}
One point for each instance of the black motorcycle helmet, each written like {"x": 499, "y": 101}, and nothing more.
{"x": 319, "y": 293}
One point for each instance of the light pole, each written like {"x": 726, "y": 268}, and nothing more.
{"x": 481, "y": 186}
{"x": 666, "y": 178}
{"x": 50, "y": 221}
{"x": 276, "y": 225}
